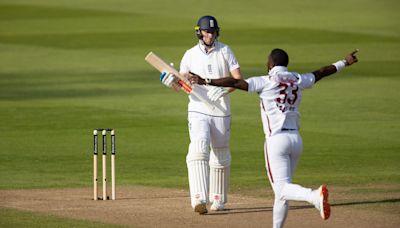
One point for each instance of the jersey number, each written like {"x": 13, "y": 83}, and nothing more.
{"x": 287, "y": 96}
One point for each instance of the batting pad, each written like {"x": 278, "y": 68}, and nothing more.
{"x": 198, "y": 181}
{"x": 220, "y": 161}
{"x": 198, "y": 151}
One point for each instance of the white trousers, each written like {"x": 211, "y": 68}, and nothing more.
{"x": 213, "y": 129}
{"x": 282, "y": 152}
{"x": 208, "y": 174}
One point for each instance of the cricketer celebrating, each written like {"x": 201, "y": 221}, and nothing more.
{"x": 280, "y": 92}
{"x": 209, "y": 158}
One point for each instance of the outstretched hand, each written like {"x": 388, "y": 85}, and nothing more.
{"x": 195, "y": 79}
{"x": 352, "y": 58}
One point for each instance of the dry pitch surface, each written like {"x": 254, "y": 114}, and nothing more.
{"x": 157, "y": 207}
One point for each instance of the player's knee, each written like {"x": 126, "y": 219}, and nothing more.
{"x": 198, "y": 150}
{"x": 279, "y": 190}
{"x": 220, "y": 157}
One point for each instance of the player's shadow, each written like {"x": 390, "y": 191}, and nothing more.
{"x": 264, "y": 209}
{"x": 152, "y": 197}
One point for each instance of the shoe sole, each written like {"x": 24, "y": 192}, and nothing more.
{"x": 201, "y": 208}
{"x": 325, "y": 207}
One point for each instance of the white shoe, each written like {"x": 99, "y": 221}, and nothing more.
{"x": 322, "y": 203}
{"x": 217, "y": 205}
{"x": 200, "y": 208}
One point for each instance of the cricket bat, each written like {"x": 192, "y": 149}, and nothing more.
{"x": 184, "y": 84}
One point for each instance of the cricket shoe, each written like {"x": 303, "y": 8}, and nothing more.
{"x": 201, "y": 208}
{"x": 321, "y": 202}
{"x": 217, "y": 204}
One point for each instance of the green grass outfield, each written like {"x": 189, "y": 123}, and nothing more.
{"x": 15, "y": 218}
{"x": 67, "y": 67}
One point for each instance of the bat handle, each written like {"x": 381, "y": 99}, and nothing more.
{"x": 187, "y": 88}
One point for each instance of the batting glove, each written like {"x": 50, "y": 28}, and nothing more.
{"x": 216, "y": 93}
{"x": 167, "y": 79}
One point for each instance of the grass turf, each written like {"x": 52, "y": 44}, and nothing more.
{"x": 67, "y": 67}
{"x": 15, "y": 218}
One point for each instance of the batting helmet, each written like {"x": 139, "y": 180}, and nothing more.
{"x": 207, "y": 23}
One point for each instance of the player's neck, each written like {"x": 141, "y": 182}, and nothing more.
{"x": 207, "y": 48}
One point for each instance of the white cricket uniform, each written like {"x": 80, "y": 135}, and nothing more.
{"x": 280, "y": 93}
{"x": 217, "y": 63}
{"x": 209, "y": 129}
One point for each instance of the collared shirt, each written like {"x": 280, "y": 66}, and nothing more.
{"x": 206, "y": 49}
{"x": 280, "y": 92}
{"x": 215, "y": 63}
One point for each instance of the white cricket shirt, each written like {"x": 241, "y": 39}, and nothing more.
{"x": 280, "y": 92}
{"x": 217, "y": 63}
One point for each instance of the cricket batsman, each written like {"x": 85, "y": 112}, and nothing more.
{"x": 208, "y": 159}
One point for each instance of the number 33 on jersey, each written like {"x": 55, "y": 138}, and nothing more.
{"x": 280, "y": 92}
{"x": 287, "y": 96}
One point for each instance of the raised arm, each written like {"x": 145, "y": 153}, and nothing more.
{"x": 237, "y": 75}
{"x": 217, "y": 92}
{"x": 224, "y": 82}
{"x": 336, "y": 67}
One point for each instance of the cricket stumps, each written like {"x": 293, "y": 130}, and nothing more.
{"x": 104, "y": 163}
